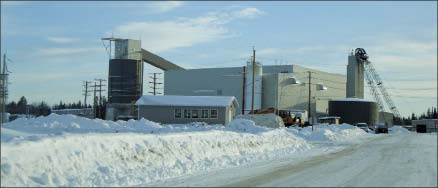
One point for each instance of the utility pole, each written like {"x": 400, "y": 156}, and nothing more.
{"x": 310, "y": 84}
{"x": 94, "y": 101}
{"x": 97, "y": 105}
{"x": 243, "y": 89}
{"x": 253, "y": 75}
{"x": 3, "y": 76}
{"x": 155, "y": 83}
{"x": 86, "y": 93}
{"x": 100, "y": 95}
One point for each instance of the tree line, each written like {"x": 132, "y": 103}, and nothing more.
{"x": 430, "y": 113}
{"x": 43, "y": 109}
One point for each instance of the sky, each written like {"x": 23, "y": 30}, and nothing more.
{"x": 53, "y": 47}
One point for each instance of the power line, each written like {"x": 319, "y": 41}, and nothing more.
{"x": 86, "y": 92}
{"x": 155, "y": 83}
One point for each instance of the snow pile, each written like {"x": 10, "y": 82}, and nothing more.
{"x": 266, "y": 120}
{"x": 331, "y": 133}
{"x": 399, "y": 129}
{"x": 55, "y": 124}
{"x": 84, "y": 155}
{"x": 66, "y": 150}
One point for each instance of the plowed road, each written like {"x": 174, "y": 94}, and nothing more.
{"x": 387, "y": 160}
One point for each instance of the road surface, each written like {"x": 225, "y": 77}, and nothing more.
{"x": 387, "y": 160}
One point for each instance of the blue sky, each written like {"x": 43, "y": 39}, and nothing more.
{"x": 54, "y": 46}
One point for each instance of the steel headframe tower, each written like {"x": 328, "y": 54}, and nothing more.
{"x": 373, "y": 81}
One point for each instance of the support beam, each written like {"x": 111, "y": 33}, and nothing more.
{"x": 158, "y": 61}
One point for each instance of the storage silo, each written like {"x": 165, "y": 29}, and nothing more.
{"x": 354, "y": 110}
{"x": 125, "y": 81}
{"x": 258, "y": 73}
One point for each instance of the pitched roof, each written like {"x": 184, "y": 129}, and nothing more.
{"x": 176, "y": 100}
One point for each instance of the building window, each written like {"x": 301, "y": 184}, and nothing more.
{"x": 195, "y": 113}
{"x": 186, "y": 113}
{"x": 177, "y": 113}
{"x": 213, "y": 114}
{"x": 204, "y": 114}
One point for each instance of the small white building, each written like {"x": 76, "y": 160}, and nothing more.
{"x": 425, "y": 125}
{"x": 172, "y": 109}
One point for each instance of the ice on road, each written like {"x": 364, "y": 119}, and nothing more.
{"x": 393, "y": 160}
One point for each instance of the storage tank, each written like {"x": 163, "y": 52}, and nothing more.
{"x": 354, "y": 110}
{"x": 125, "y": 80}
{"x": 257, "y": 86}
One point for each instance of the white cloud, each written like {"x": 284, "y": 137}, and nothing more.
{"x": 183, "y": 32}
{"x": 165, "y": 6}
{"x": 12, "y": 3}
{"x": 269, "y": 51}
{"x": 65, "y": 51}
{"x": 62, "y": 39}
{"x": 248, "y": 13}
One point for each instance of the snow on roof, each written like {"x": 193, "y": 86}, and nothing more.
{"x": 352, "y": 100}
{"x": 329, "y": 117}
{"x": 175, "y": 100}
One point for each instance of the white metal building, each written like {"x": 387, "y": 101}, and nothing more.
{"x": 425, "y": 125}
{"x": 278, "y": 86}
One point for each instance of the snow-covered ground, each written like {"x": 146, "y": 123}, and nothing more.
{"x": 66, "y": 150}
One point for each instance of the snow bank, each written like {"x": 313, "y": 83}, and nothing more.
{"x": 90, "y": 153}
{"x": 66, "y": 150}
{"x": 332, "y": 133}
{"x": 399, "y": 129}
{"x": 265, "y": 120}
{"x": 55, "y": 124}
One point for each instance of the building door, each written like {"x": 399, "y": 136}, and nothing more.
{"x": 421, "y": 129}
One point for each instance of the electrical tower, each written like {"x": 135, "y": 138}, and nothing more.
{"x": 155, "y": 83}
{"x": 4, "y": 90}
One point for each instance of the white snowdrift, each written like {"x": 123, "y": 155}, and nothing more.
{"x": 399, "y": 129}
{"x": 65, "y": 150}
{"x": 331, "y": 133}
{"x": 265, "y": 120}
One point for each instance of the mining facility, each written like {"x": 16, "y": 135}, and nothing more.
{"x": 125, "y": 75}
{"x": 310, "y": 92}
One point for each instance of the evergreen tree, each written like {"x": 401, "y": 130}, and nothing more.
{"x": 22, "y": 105}
{"x": 434, "y": 114}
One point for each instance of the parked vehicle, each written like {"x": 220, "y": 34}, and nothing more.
{"x": 289, "y": 117}
{"x": 381, "y": 128}
{"x": 363, "y": 126}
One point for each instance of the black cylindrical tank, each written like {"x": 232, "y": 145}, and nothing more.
{"x": 353, "y": 110}
{"x": 124, "y": 80}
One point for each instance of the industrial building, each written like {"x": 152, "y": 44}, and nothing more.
{"x": 277, "y": 86}
{"x": 354, "y": 110}
{"x": 125, "y": 77}
{"x": 186, "y": 109}
{"x": 425, "y": 125}
{"x": 255, "y": 86}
